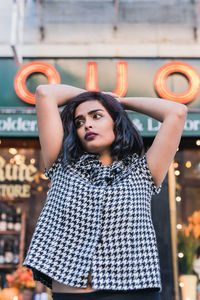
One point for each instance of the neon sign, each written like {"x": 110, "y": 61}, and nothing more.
{"x": 122, "y": 80}
{"x": 177, "y": 67}
{"x": 28, "y": 69}
{"x": 54, "y": 78}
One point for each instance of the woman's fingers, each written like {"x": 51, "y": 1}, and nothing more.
{"x": 117, "y": 97}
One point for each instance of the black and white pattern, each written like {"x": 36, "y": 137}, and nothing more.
{"x": 97, "y": 218}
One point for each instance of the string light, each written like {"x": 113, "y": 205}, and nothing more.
{"x": 39, "y": 188}
{"x": 32, "y": 161}
{"x": 12, "y": 151}
{"x": 180, "y": 255}
{"x": 178, "y": 198}
{"x": 188, "y": 164}
{"x": 179, "y": 226}
{"x": 175, "y": 165}
{"x": 198, "y": 142}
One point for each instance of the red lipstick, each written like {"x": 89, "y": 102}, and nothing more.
{"x": 90, "y": 135}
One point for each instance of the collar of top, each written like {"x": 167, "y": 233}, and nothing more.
{"x": 91, "y": 167}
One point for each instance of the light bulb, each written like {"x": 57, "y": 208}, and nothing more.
{"x": 188, "y": 164}
{"x": 177, "y": 172}
{"x": 12, "y": 151}
{"x": 179, "y": 226}
{"x": 32, "y": 161}
{"x": 180, "y": 255}
{"x": 175, "y": 165}
{"x": 198, "y": 142}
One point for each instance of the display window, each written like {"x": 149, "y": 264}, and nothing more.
{"x": 23, "y": 191}
{"x": 187, "y": 178}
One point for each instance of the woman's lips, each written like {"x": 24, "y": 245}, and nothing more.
{"x": 90, "y": 137}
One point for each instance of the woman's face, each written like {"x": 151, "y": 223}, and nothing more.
{"x": 92, "y": 116}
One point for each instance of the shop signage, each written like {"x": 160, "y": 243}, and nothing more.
{"x": 133, "y": 77}
{"x": 15, "y": 191}
{"x": 149, "y": 126}
{"x": 26, "y": 125}
{"x": 177, "y": 67}
{"x": 20, "y": 173}
{"x": 122, "y": 80}
{"x": 53, "y": 77}
{"x": 17, "y": 124}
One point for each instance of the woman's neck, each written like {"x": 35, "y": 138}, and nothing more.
{"x": 106, "y": 159}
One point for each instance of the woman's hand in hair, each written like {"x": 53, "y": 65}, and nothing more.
{"x": 117, "y": 97}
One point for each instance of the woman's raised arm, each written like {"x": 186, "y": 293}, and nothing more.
{"x": 163, "y": 149}
{"x": 48, "y": 98}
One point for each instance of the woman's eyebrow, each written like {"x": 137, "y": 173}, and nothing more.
{"x": 89, "y": 113}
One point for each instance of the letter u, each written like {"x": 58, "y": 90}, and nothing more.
{"x": 122, "y": 78}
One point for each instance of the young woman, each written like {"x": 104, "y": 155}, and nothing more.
{"x": 95, "y": 238}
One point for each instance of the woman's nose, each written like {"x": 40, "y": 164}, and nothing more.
{"x": 88, "y": 127}
{"x": 88, "y": 124}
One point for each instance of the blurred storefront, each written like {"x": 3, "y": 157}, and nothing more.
{"x": 23, "y": 186}
{"x": 187, "y": 195}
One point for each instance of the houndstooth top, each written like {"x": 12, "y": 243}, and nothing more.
{"x": 97, "y": 218}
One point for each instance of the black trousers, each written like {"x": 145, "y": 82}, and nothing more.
{"x": 146, "y": 294}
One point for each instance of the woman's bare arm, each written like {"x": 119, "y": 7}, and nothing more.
{"x": 163, "y": 149}
{"x": 48, "y": 98}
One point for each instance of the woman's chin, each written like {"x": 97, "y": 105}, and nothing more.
{"x": 94, "y": 150}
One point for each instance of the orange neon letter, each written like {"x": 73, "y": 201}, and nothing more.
{"x": 122, "y": 78}
{"x": 28, "y": 69}
{"x": 177, "y": 67}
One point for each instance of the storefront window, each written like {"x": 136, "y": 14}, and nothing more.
{"x": 23, "y": 190}
{"x": 187, "y": 174}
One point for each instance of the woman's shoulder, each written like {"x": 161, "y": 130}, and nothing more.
{"x": 63, "y": 166}
{"x": 139, "y": 162}
{"x": 49, "y": 173}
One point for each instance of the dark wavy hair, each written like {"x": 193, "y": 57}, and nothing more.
{"x": 127, "y": 141}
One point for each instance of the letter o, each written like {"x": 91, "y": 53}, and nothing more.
{"x": 37, "y": 66}
{"x": 186, "y": 70}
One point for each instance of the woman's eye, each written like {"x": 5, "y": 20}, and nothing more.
{"x": 78, "y": 124}
{"x": 97, "y": 115}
